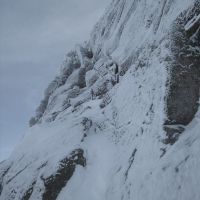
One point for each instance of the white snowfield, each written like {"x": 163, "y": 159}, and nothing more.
{"x": 122, "y": 140}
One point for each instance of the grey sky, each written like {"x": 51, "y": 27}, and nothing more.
{"x": 34, "y": 37}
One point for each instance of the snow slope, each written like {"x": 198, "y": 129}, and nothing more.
{"x": 125, "y": 143}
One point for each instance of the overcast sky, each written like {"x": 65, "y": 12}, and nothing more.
{"x": 34, "y": 37}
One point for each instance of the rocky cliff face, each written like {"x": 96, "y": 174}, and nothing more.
{"x": 94, "y": 138}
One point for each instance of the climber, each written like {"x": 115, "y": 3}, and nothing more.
{"x": 116, "y": 72}
{"x": 92, "y": 94}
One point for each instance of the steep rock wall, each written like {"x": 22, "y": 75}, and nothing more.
{"x": 128, "y": 153}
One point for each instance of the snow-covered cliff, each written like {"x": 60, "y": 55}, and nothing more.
{"x": 95, "y": 139}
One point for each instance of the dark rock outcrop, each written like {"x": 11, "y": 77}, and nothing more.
{"x": 54, "y": 183}
{"x": 172, "y": 134}
{"x": 29, "y": 192}
{"x": 184, "y": 84}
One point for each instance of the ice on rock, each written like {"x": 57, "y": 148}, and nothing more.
{"x": 95, "y": 139}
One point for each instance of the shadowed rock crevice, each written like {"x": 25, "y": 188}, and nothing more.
{"x": 54, "y": 183}
{"x": 184, "y": 85}
{"x": 131, "y": 160}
